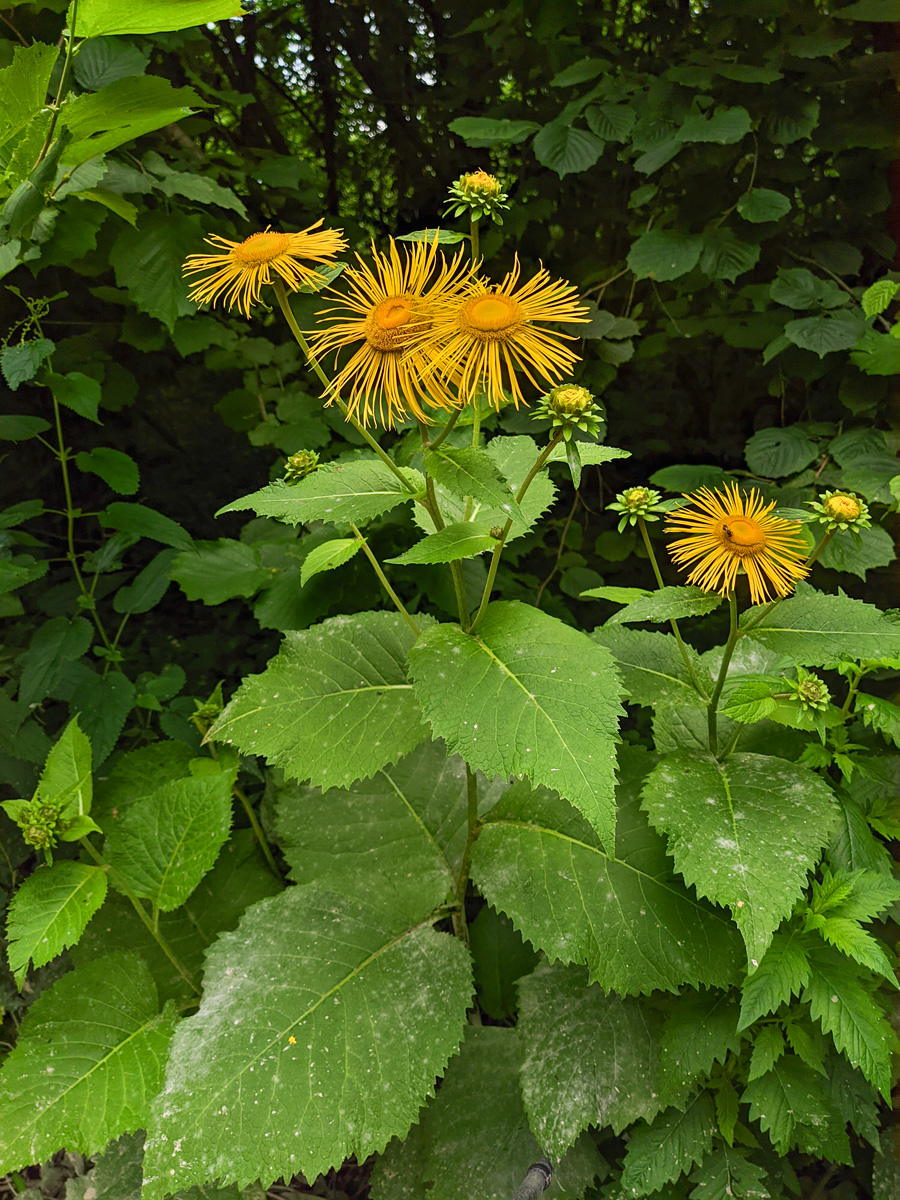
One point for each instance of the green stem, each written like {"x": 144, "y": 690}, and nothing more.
{"x": 376, "y": 566}
{"x": 281, "y": 295}
{"x": 823, "y": 542}
{"x": 440, "y": 437}
{"x": 765, "y": 609}
{"x": 852, "y": 691}
{"x": 258, "y": 833}
{"x": 474, "y": 239}
{"x": 150, "y": 925}
{"x": 733, "y": 635}
{"x": 434, "y": 511}
{"x": 460, "y": 928}
{"x": 733, "y": 741}
{"x": 60, "y": 92}
{"x": 642, "y": 525}
{"x": 498, "y": 549}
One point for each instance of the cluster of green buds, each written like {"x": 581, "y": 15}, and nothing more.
{"x": 39, "y": 822}
{"x": 299, "y": 465}
{"x": 208, "y": 711}
{"x": 478, "y": 194}
{"x": 810, "y": 691}
{"x": 638, "y": 502}
{"x": 841, "y": 510}
{"x": 569, "y": 407}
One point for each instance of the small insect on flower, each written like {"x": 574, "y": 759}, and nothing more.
{"x": 729, "y": 532}
{"x": 237, "y": 273}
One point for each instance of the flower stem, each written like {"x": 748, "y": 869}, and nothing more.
{"x": 765, "y": 609}
{"x": 376, "y": 566}
{"x": 258, "y": 833}
{"x": 498, "y": 549}
{"x": 440, "y": 437}
{"x": 151, "y": 926}
{"x": 281, "y": 295}
{"x": 733, "y": 635}
{"x": 434, "y": 511}
{"x": 474, "y": 239}
{"x": 642, "y": 525}
{"x": 60, "y": 91}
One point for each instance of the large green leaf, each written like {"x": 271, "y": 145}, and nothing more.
{"x": 526, "y": 695}
{"x": 148, "y": 259}
{"x": 23, "y": 86}
{"x": 218, "y": 571}
{"x": 120, "y": 112}
{"x": 813, "y": 629}
{"x": 66, "y": 778}
{"x": 668, "y": 602}
{"x": 462, "y": 539}
{"x": 468, "y": 471}
{"x": 98, "y": 17}
{"x": 782, "y": 973}
{"x": 163, "y": 845}
{"x": 653, "y": 668}
{"x": 87, "y": 1063}
{"x": 599, "y": 1050}
{"x": 663, "y": 254}
{"x": 744, "y": 832}
{"x": 566, "y": 149}
{"x": 405, "y": 826}
{"x": 728, "y": 1175}
{"x": 487, "y": 131}
{"x": 844, "y": 1008}
{"x": 627, "y": 917}
{"x": 790, "y": 1103}
{"x": 701, "y": 1030}
{"x": 657, "y": 1154}
{"x": 476, "y": 1128}
{"x": 355, "y": 491}
{"x": 344, "y": 1014}
{"x": 723, "y": 125}
{"x": 50, "y": 911}
{"x": 779, "y": 451}
{"x": 334, "y": 705}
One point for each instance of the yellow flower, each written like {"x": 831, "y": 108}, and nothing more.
{"x": 731, "y": 531}
{"x": 494, "y": 333}
{"x": 243, "y": 268}
{"x": 386, "y": 314}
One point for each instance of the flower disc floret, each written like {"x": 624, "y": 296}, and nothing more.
{"x": 841, "y": 510}
{"x": 237, "y": 273}
{"x": 729, "y": 531}
{"x": 496, "y": 333}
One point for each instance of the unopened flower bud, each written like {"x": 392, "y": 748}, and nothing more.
{"x": 496, "y": 531}
{"x": 569, "y": 407}
{"x": 842, "y": 510}
{"x": 479, "y": 194}
{"x": 299, "y": 465}
{"x": 812, "y": 692}
{"x": 842, "y": 507}
{"x": 636, "y": 502}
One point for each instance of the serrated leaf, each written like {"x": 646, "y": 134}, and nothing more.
{"x": 566, "y": 149}
{"x": 700, "y": 1030}
{"x": 334, "y": 705}
{"x": 768, "y": 1047}
{"x": 763, "y": 204}
{"x": 877, "y": 354}
{"x": 203, "y": 190}
{"x": 471, "y": 472}
{"x": 328, "y": 556}
{"x": 89, "y": 1058}
{"x": 783, "y": 972}
{"x": 117, "y": 469}
{"x": 723, "y": 126}
{"x": 214, "y": 572}
{"x": 526, "y": 695}
{"x": 100, "y": 17}
{"x": 148, "y": 587}
{"x": 317, "y": 1040}
{"x": 121, "y": 111}
{"x": 727, "y": 1174}
{"x": 826, "y": 333}
{"x": 726, "y": 256}
{"x": 500, "y": 957}
{"x": 78, "y": 392}
{"x": 652, "y": 667}
{"x": 667, "y": 603}
{"x": 870, "y": 894}
{"x": 617, "y": 595}
{"x": 489, "y": 131}
{"x": 870, "y": 548}
{"x": 599, "y": 1049}
{"x": 776, "y": 452}
{"x": 796, "y": 287}
{"x": 664, "y": 254}
{"x": 49, "y": 912}
{"x": 462, "y": 539}
{"x": 148, "y": 260}
{"x": 591, "y": 453}
{"x": 879, "y": 296}
{"x": 788, "y": 1096}
{"x": 55, "y": 643}
{"x": 141, "y": 521}
{"x": 744, "y": 832}
{"x": 845, "y": 1009}
{"x": 406, "y": 825}
{"x": 101, "y": 62}
{"x": 813, "y": 629}
{"x": 851, "y": 939}
{"x": 163, "y": 845}
{"x": 627, "y": 918}
{"x": 21, "y": 363}
{"x": 116, "y": 1174}
{"x": 23, "y": 86}
{"x": 612, "y": 122}
{"x": 657, "y": 1154}
{"x": 355, "y": 491}
{"x": 19, "y": 428}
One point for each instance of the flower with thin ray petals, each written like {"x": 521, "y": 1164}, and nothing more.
{"x": 729, "y": 531}
{"x": 496, "y": 332}
{"x": 237, "y": 274}
{"x": 385, "y": 313}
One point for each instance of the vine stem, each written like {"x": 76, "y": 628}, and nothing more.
{"x": 733, "y": 635}
{"x": 60, "y": 92}
{"x": 651, "y": 554}
{"x": 151, "y": 926}
{"x": 498, "y": 549}
{"x": 258, "y": 832}
{"x": 376, "y": 566}
{"x": 304, "y": 345}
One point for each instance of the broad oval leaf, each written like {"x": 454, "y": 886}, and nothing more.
{"x": 626, "y": 917}
{"x": 663, "y": 254}
{"x": 330, "y": 1019}
{"x": 489, "y": 131}
{"x": 526, "y": 695}
{"x": 101, "y": 17}
{"x": 89, "y": 1059}
{"x": 468, "y": 471}
{"x": 50, "y": 911}
{"x": 566, "y": 149}
{"x": 653, "y": 668}
{"x": 745, "y": 832}
{"x": 334, "y": 705}
{"x": 763, "y": 204}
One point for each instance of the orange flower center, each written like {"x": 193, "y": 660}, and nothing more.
{"x": 385, "y": 325}
{"x": 741, "y": 535}
{"x": 490, "y": 318}
{"x": 261, "y": 248}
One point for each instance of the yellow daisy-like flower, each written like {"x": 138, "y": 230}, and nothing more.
{"x": 386, "y": 313}
{"x": 242, "y": 269}
{"x": 495, "y": 332}
{"x": 728, "y": 531}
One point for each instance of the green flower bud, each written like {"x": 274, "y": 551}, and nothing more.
{"x": 841, "y": 510}
{"x": 569, "y": 407}
{"x": 636, "y": 502}
{"x": 299, "y": 465}
{"x": 479, "y": 194}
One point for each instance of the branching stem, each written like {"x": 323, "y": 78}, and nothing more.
{"x": 642, "y": 525}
